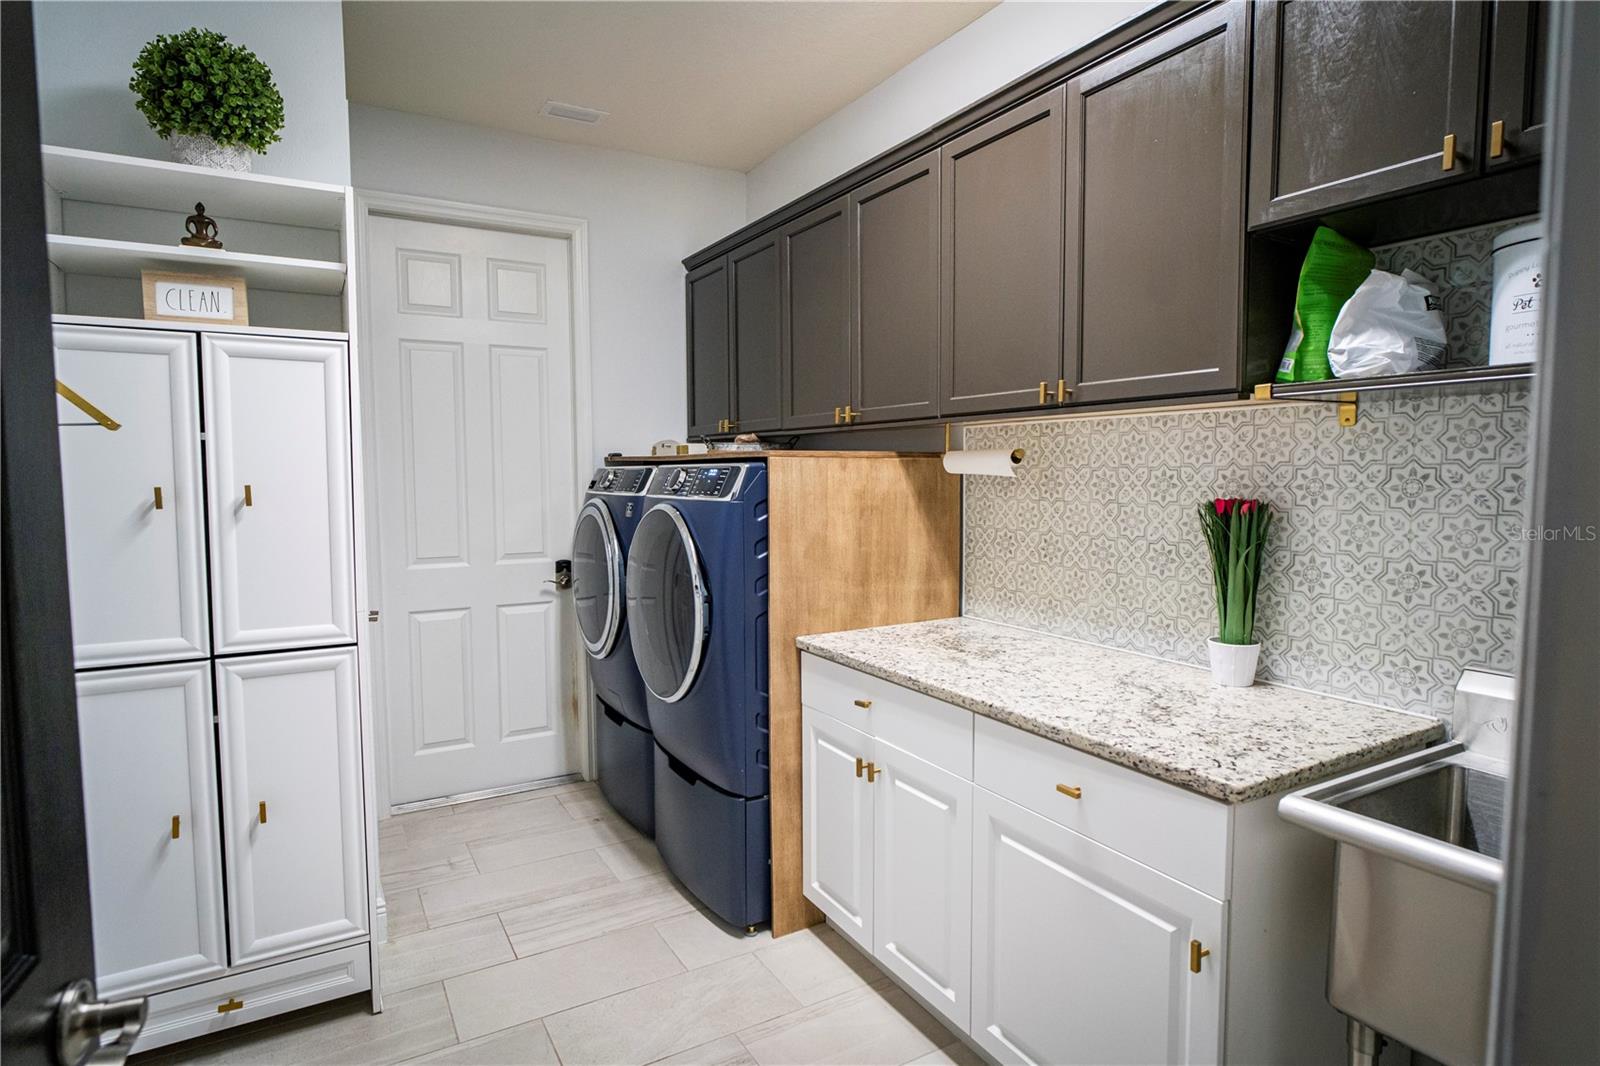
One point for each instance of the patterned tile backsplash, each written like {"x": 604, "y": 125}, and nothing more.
{"x": 1395, "y": 559}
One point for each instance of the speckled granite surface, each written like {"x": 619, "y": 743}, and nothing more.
{"x": 1158, "y": 717}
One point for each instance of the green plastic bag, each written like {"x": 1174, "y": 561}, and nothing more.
{"x": 1333, "y": 270}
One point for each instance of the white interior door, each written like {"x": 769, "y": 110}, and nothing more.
{"x": 135, "y": 546}
{"x": 471, "y": 365}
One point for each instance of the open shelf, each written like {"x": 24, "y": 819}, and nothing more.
{"x": 1465, "y": 375}
{"x": 125, "y": 259}
{"x": 100, "y": 177}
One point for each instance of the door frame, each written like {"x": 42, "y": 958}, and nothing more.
{"x": 575, "y": 231}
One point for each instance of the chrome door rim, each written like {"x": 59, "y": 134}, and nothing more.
{"x": 698, "y": 582}
{"x": 608, "y": 536}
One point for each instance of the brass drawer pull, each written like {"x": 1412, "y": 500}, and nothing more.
{"x": 1448, "y": 161}
{"x": 177, "y": 822}
{"x": 850, "y": 415}
{"x": 1044, "y": 392}
{"x": 249, "y": 497}
{"x": 160, "y": 504}
{"x": 232, "y": 1005}
{"x": 861, "y": 765}
{"x": 1196, "y": 953}
{"x": 1070, "y": 791}
{"x": 1062, "y": 392}
{"x": 864, "y": 704}
{"x": 838, "y": 415}
{"x": 1497, "y": 139}
{"x": 262, "y": 812}
{"x": 872, "y": 772}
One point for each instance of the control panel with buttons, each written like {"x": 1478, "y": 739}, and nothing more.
{"x": 620, "y": 480}
{"x": 700, "y": 482}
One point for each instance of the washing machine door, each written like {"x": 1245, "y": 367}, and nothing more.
{"x": 597, "y": 578}
{"x": 667, "y": 606}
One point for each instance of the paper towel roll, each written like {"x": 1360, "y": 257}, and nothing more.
{"x": 990, "y": 462}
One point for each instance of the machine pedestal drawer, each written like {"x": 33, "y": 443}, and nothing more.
{"x": 625, "y": 760}
{"x": 716, "y": 843}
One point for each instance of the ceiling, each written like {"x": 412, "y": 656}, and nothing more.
{"x": 723, "y": 83}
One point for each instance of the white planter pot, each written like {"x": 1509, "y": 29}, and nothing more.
{"x": 1233, "y": 665}
{"x": 201, "y": 151}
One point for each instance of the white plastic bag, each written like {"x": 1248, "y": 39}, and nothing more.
{"x": 1390, "y": 325}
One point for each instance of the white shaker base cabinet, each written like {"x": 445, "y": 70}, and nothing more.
{"x": 837, "y": 858}
{"x": 291, "y": 776}
{"x": 282, "y": 552}
{"x": 132, "y": 496}
{"x": 150, "y": 812}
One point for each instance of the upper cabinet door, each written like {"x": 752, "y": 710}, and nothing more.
{"x": 1000, "y": 261}
{"x": 132, "y": 497}
{"x": 710, "y": 391}
{"x": 816, "y": 317}
{"x": 1353, "y": 101}
{"x": 278, "y": 417}
{"x": 1155, "y": 203}
{"x": 894, "y": 283}
{"x": 1519, "y": 48}
{"x": 291, "y": 801}
{"x": 754, "y": 277}
{"x": 837, "y": 824}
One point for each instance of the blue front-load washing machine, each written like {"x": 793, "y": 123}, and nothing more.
{"x": 697, "y": 610}
{"x": 624, "y": 747}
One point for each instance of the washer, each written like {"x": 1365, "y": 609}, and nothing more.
{"x": 624, "y": 747}
{"x": 697, "y": 606}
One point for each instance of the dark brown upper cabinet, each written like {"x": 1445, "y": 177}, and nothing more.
{"x": 894, "y": 281}
{"x": 1353, "y": 101}
{"x": 754, "y": 279}
{"x": 1000, "y": 260}
{"x": 710, "y": 385}
{"x": 816, "y": 317}
{"x": 1519, "y": 44}
{"x": 1155, "y": 205}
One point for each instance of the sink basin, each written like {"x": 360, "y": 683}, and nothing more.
{"x": 1417, "y": 875}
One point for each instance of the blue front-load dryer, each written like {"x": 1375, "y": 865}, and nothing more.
{"x": 624, "y": 747}
{"x": 697, "y": 608}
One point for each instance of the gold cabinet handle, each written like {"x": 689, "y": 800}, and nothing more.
{"x": 1044, "y": 392}
{"x": 861, "y": 765}
{"x": 850, "y": 415}
{"x": 177, "y": 822}
{"x": 864, "y": 704}
{"x": 1497, "y": 139}
{"x": 872, "y": 772}
{"x": 231, "y": 1005}
{"x": 1448, "y": 162}
{"x": 1196, "y": 953}
{"x": 249, "y": 497}
{"x": 159, "y": 503}
{"x": 1062, "y": 392}
{"x": 1070, "y": 791}
{"x": 838, "y": 415}
{"x": 261, "y": 813}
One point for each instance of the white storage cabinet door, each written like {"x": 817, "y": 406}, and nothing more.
{"x": 922, "y": 878}
{"x": 837, "y": 817}
{"x": 278, "y": 420}
{"x": 135, "y": 546}
{"x": 1081, "y": 955}
{"x": 292, "y": 808}
{"x": 150, "y": 816}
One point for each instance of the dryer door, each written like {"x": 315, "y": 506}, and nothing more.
{"x": 667, "y": 603}
{"x": 597, "y": 578}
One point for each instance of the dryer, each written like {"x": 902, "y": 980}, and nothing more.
{"x": 624, "y": 747}
{"x": 697, "y": 607}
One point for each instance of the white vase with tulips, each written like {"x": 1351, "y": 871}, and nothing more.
{"x": 1236, "y": 533}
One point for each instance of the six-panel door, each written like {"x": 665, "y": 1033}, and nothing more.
{"x": 278, "y": 417}
{"x": 1081, "y": 955}
{"x": 291, "y": 800}
{"x": 922, "y": 878}
{"x": 150, "y": 816}
{"x": 132, "y": 495}
{"x": 838, "y": 825}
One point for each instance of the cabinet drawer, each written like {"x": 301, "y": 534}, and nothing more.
{"x": 1179, "y": 833}
{"x": 185, "y": 1013}
{"x": 930, "y": 729}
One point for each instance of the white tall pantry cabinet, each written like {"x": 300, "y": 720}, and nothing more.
{"x": 211, "y": 559}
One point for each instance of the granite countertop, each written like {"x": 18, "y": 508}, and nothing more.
{"x": 1162, "y": 718}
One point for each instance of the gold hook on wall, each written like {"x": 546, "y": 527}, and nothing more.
{"x": 66, "y": 392}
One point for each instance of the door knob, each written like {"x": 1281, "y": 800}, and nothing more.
{"x": 83, "y": 1023}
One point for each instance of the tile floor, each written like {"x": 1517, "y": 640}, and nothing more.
{"x": 540, "y": 928}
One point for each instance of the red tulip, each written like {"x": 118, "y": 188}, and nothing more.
{"x": 1221, "y": 506}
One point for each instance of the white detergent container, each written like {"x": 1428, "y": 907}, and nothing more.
{"x": 1518, "y": 295}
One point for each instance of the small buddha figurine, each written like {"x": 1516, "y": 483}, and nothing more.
{"x": 202, "y": 229}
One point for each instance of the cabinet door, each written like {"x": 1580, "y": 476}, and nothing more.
{"x": 922, "y": 879}
{"x": 278, "y": 417}
{"x": 1081, "y": 955}
{"x": 1519, "y": 50}
{"x": 150, "y": 815}
{"x": 132, "y": 497}
{"x": 1000, "y": 260}
{"x": 1353, "y": 101}
{"x": 291, "y": 802}
{"x": 1155, "y": 203}
{"x": 710, "y": 390}
{"x": 816, "y": 316}
{"x": 894, "y": 271}
{"x": 754, "y": 275}
{"x": 837, "y": 858}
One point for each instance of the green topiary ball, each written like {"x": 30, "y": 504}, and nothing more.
{"x": 196, "y": 83}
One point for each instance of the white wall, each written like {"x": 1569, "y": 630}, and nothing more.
{"x": 1005, "y": 43}
{"x": 86, "y": 53}
{"x": 645, "y": 214}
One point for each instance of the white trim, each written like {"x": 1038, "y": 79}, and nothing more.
{"x": 575, "y": 231}
{"x": 198, "y": 327}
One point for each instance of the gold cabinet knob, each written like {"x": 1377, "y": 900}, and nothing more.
{"x": 1196, "y": 953}
{"x": 1497, "y": 139}
{"x": 1062, "y": 392}
{"x": 159, "y": 503}
{"x": 1044, "y": 392}
{"x": 249, "y": 497}
{"x": 177, "y": 822}
{"x": 861, "y": 765}
{"x": 850, "y": 415}
{"x": 1447, "y": 160}
{"x": 872, "y": 772}
{"x": 864, "y": 704}
{"x": 261, "y": 812}
{"x": 1070, "y": 791}
{"x": 838, "y": 415}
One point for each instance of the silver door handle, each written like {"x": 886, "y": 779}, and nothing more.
{"x": 83, "y": 1023}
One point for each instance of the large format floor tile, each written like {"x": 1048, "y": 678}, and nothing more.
{"x": 521, "y": 848}
{"x": 521, "y": 1045}
{"x": 875, "y": 1025}
{"x": 480, "y": 894}
{"x": 577, "y": 916}
{"x": 434, "y": 954}
{"x": 817, "y": 964}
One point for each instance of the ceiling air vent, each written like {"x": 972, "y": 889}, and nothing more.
{"x": 572, "y": 112}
